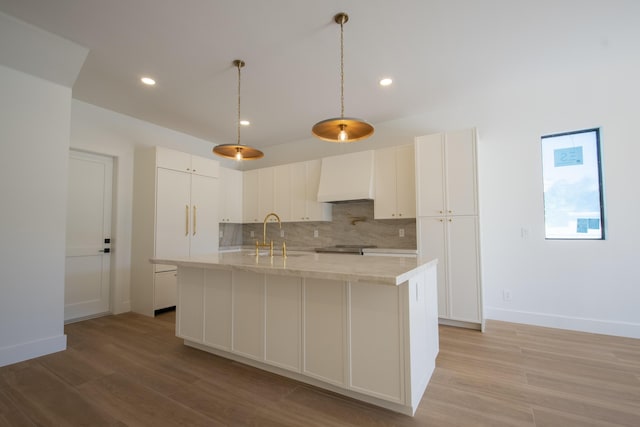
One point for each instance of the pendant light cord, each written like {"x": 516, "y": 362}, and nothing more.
{"x": 239, "y": 66}
{"x": 342, "y": 67}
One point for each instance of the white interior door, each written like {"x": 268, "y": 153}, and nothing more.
{"x": 87, "y": 283}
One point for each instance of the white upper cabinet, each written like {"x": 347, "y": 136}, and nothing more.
{"x": 282, "y": 189}
{"x": 394, "y": 172}
{"x": 305, "y": 178}
{"x": 446, "y": 171}
{"x": 184, "y": 162}
{"x": 231, "y": 189}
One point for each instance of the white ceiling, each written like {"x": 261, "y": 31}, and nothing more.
{"x": 433, "y": 49}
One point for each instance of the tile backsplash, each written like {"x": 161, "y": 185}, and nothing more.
{"x": 352, "y": 224}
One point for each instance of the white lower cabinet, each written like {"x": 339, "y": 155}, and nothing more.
{"x": 190, "y": 308}
{"x": 166, "y": 292}
{"x": 217, "y": 309}
{"x": 325, "y": 330}
{"x": 375, "y": 328}
{"x": 283, "y": 313}
{"x": 454, "y": 242}
{"x": 248, "y": 300}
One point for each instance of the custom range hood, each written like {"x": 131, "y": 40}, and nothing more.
{"x": 347, "y": 177}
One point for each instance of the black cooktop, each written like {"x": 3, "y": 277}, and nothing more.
{"x": 345, "y": 249}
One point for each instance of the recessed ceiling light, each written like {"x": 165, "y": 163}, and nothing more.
{"x": 386, "y": 81}
{"x": 148, "y": 81}
{"x": 245, "y": 122}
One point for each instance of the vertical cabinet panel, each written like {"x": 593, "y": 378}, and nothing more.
{"x": 432, "y": 245}
{"x": 231, "y": 187}
{"x": 173, "y": 214}
{"x": 218, "y": 311}
{"x": 283, "y": 320}
{"x": 250, "y": 196}
{"x": 376, "y": 363}
{"x": 324, "y": 330}
{"x": 463, "y": 268}
{"x": 166, "y": 288}
{"x": 405, "y": 181}
{"x": 461, "y": 173}
{"x": 190, "y": 309}
{"x": 299, "y": 192}
{"x": 282, "y": 192}
{"x": 265, "y": 192}
{"x": 204, "y": 214}
{"x": 248, "y": 314}
{"x": 430, "y": 175}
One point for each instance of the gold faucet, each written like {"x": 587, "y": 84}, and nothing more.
{"x": 269, "y": 245}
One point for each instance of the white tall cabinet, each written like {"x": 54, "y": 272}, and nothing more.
{"x": 175, "y": 214}
{"x": 231, "y": 187}
{"x": 447, "y": 207}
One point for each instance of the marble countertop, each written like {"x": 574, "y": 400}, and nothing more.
{"x": 386, "y": 270}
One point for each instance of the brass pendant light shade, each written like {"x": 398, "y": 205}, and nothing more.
{"x": 342, "y": 129}
{"x": 238, "y": 151}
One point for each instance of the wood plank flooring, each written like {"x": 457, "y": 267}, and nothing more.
{"x": 131, "y": 370}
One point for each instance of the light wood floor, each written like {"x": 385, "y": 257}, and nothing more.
{"x": 130, "y": 370}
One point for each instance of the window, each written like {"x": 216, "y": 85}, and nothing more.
{"x": 573, "y": 195}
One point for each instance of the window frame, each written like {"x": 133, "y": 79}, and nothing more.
{"x": 598, "y": 155}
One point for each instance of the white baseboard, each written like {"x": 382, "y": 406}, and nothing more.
{"x": 29, "y": 350}
{"x": 594, "y": 326}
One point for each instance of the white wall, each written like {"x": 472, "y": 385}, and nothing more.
{"x": 34, "y": 144}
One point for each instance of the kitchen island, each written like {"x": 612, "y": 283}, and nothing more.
{"x": 364, "y": 327}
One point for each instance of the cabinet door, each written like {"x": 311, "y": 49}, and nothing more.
{"x": 463, "y": 271}
{"x": 204, "y": 215}
{"x": 316, "y": 211}
{"x": 405, "y": 182}
{"x": 230, "y": 185}
{"x": 431, "y": 245}
{"x": 430, "y": 175}
{"x": 217, "y": 309}
{"x": 282, "y": 192}
{"x": 172, "y": 159}
{"x": 190, "y": 308}
{"x": 283, "y": 321}
{"x": 384, "y": 206}
{"x": 248, "y": 314}
{"x": 165, "y": 290}
{"x": 299, "y": 192}
{"x": 461, "y": 173}
{"x": 250, "y": 196}
{"x": 265, "y": 193}
{"x": 376, "y": 365}
{"x": 324, "y": 330}
{"x": 204, "y": 166}
{"x": 173, "y": 213}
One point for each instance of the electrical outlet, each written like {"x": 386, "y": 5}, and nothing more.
{"x": 401, "y": 232}
{"x": 524, "y": 233}
{"x": 315, "y": 233}
{"x": 253, "y": 233}
{"x": 506, "y": 295}
{"x": 281, "y": 233}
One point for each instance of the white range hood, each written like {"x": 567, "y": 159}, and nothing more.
{"x": 347, "y": 177}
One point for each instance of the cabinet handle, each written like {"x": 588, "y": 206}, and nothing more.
{"x": 440, "y": 211}
{"x": 400, "y": 214}
{"x": 450, "y": 211}
{"x": 441, "y": 220}
{"x": 450, "y": 220}
{"x": 186, "y": 231}
{"x": 194, "y": 219}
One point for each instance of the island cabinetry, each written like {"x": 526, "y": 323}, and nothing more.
{"x": 373, "y": 341}
{"x": 325, "y": 339}
{"x": 231, "y": 196}
{"x": 448, "y": 222}
{"x": 175, "y": 214}
{"x": 283, "y": 322}
{"x": 395, "y": 183}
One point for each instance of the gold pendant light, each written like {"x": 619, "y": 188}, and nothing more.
{"x": 238, "y": 151}
{"x": 342, "y": 129}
